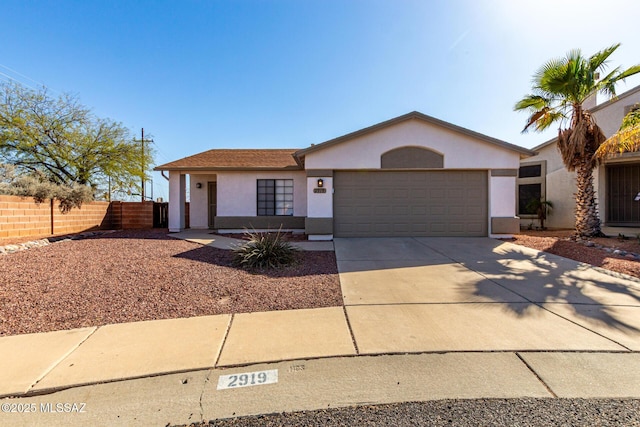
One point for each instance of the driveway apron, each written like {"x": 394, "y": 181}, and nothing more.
{"x": 478, "y": 294}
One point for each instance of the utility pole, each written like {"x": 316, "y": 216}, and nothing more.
{"x": 143, "y": 166}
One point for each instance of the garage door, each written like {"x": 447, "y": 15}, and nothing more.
{"x": 410, "y": 203}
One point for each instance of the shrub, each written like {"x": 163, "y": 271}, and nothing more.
{"x": 37, "y": 186}
{"x": 264, "y": 250}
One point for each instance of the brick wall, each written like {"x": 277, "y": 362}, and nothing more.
{"x": 21, "y": 217}
{"x": 90, "y": 216}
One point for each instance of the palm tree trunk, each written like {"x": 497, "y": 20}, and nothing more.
{"x": 587, "y": 219}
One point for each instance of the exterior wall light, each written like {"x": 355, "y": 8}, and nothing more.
{"x": 198, "y": 185}
{"x": 320, "y": 183}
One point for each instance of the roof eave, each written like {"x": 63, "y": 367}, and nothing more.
{"x": 227, "y": 168}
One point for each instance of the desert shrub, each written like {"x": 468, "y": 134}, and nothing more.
{"x": 37, "y": 186}
{"x": 264, "y": 250}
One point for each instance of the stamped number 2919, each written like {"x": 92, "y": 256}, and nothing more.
{"x": 247, "y": 379}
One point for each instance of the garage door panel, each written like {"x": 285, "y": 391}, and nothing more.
{"x": 410, "y": 203}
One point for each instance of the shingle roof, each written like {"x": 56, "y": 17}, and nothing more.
{"x": 226, "y": 159}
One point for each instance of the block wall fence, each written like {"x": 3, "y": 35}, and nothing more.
{"x": 22, "y": 217}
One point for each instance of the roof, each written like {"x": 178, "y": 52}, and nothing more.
{"x": 594, "y": 109}
{"x": 236, "y": 159}
{"x": 293, "y": 159}
{"x": 414, "y": 115}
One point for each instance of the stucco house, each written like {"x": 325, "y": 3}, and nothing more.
{"x": 413, "y": 175}
{"x": 616, "y": 181}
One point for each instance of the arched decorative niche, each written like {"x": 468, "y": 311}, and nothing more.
{"x": 411, "y": 158}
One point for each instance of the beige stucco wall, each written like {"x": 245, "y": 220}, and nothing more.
{"x": 609, "y": 115}
{"x": 320, "y": 205}
{"x": 502, "y": 197}
{"x": 237, "y": 192}
{"x": 560, "y": 188}
{"x": 459, "y": 150}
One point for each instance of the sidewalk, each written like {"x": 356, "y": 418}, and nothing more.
{"x": 171, "y": 371}
{"x": 135, "y": 350}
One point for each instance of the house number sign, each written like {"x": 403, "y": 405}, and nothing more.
{"x": 247, "y": 379}
{"x": 319, "y": 190}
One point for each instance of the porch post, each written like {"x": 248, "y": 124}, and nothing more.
{"x": 176, "y": 201}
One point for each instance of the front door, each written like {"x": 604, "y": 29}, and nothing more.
{"x": 623, "y": 187}
{"x": 212, "y": 188}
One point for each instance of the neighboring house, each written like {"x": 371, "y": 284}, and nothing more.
{"x": 413, "y": 175}
{"x": 617, "y": 181}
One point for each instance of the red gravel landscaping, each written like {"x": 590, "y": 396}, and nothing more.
{"x": 131, "y": 276}
{"x": 559, "y": 242}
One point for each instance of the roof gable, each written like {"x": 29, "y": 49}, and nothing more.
{"x": 414, "y": 115}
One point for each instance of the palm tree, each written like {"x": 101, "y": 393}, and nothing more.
{"x": 560, "y": 88}
{"x": 627, "y": 139}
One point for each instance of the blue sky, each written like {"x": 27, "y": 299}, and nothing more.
{"x": 277, "y": 74}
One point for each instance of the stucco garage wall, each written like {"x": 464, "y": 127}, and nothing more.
{"x": 460, "y": 151}
{"x": 502, "y": 199}
{"x": 237, "y": 192}
{"x": 321, "y": 204}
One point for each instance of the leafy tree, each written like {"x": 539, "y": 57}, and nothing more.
{"x": 627, "y": 139}
{"x": 61, "y": 140}
{"x": 559, "y": 90}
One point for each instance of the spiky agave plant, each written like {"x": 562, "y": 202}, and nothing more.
{"x": 264, "y": 250}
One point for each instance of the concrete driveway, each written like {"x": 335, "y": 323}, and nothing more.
{"x": 481, "y": 294}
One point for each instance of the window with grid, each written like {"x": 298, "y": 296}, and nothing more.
{"x": 275, "y": 197}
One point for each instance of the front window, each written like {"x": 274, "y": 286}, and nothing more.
{"x": 275, "y": 197}
{"x": 531, "y": 180}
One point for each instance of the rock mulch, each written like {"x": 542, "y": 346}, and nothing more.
{"x": 23, "y": 246}
{"x": 621, "y": 256}
{"x": 129, "y": 276}
{"x": 589, "y": 243}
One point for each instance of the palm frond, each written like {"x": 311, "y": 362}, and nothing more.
{"x": 580, "y": 142}
{"x": 598, "y": 61}
{"x": 627, "y": 139}
{"x": 550, "y": 69}
{"x": 623, "y": 141}
{"x": 548, "y": 119}
{"x": 533, "y": 119}
{"x": 632, "y": 119}
{"x": 628, "y": 72}
{"x": 536, "y": 102}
